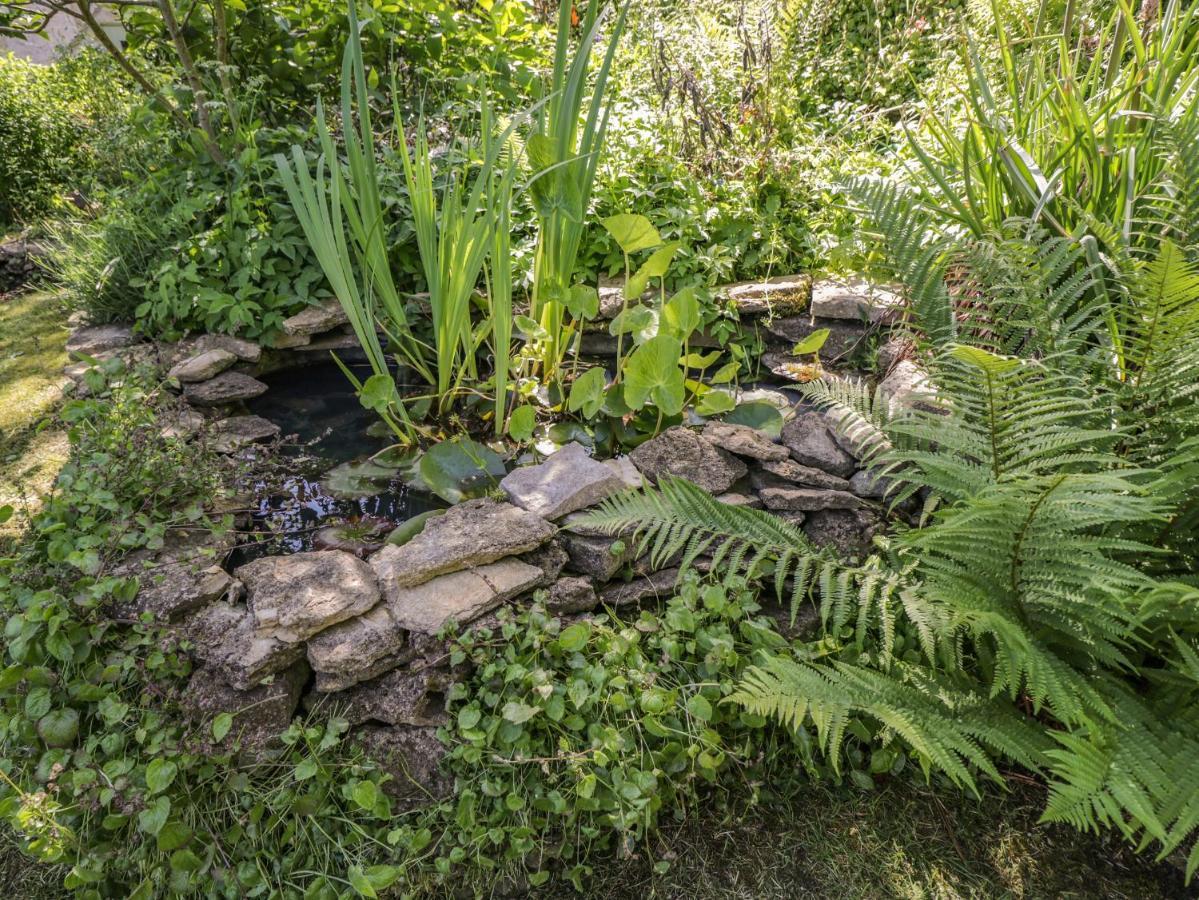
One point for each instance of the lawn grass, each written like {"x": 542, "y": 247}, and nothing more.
{"x": 32, "y": 334}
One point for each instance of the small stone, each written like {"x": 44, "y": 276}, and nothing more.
{"x": 315, "y": 319}
{"x": 809, "y": 438}
{"x": 808, "y": 499}
{"x": 657, "y": 586}
{"x": 203, "y": 366}
{"x": 626, "y": 471}
{"x": 228, "y": 387}
{"x": 864, "y": 484}
{"x": 352, "y": 651}
{"x": 181, "y": 425}
{"x": 232, "y": 434}
{"x": 225, "y": 636}
{"x": 470, "y": 534}
{"x": 93, "y": 339}
{"x": 567, "y": 481}
{"x": 400, "y": 697}
{"x": 856, "y": 300}
{"x": 412, "y": 756}
{"x": 550, "y": 558}
{"x": 788, "y": 470}
{"x": 260, "y": 714}
{"x": 294, "y": 597}
{"x": 291, "y": 341}
{"x": 907, "y": 387}
{"x": 460, "y": 596}
{"x": 246, "y": 351}
{"x": 743, "y": 441}
{"x": 681, "y": 452}
{"x": 849, "y": 532}
{"x": 735, "y": 499}
{"x": 571, "y": 595}
{"x": 890, "y": 353}
{"x": 590, "y": 555}
{"x": 784, "y": 295}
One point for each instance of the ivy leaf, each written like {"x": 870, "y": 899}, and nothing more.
{"x": 521, "y": 424}
{"x": 587, "y": 392}
{"x": 530, "y": 329}
{"x": 468, "y": 717}
{"x": 518, "y": 713}
{"x": 812, "y": 343}
{"x": 632, "y": 232}
{"x": 652, "y": 374}
{"x": 159, "y": 775}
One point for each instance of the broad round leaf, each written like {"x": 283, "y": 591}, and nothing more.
{"x": 633, "y": 232}
{"x": 652, "y": 375}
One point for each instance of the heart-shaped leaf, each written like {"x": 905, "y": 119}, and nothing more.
{"x": 377, "y": 392}
{"x": 521, "y": 424}
{"x": 640, "y": 321}
{"x": 652, "y": 375}
{"x": 715, "y": 402}
{"x": 632, "y": 232}
{"x": 587, "y": 393}
{"x": 812, "y": 343}
{"x": 583, "y": 301}
{"x": 680, "y": 315}
{"x": 763, "y": 416}
{"x": 459, "y": 469}
{"x": 659, "y": 261}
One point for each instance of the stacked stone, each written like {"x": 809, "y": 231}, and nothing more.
{"x": 18, "y": 264}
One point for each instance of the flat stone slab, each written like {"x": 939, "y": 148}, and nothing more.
{"x": 294, "y": 597}
{"x": 180, "y": 577}
{"x": 460, "y": 596}
{"x": 681, "y": 452}
{"x": 260, "y": 714}
{"x": 735, "y": 499}
{"x": 246, "y": 351}
{"x": 202, "y": 366}
{"x": 400, "y": 697}
{"x": 790, "y": 471}
{"x": 593, "y": 556}
{"x": 232, "y": 434}
{"x": 356, "y": 650}
{"x": 225, "y": 636}
{"x": 743, "y": 441}
{"x": 315, "y": 319}
{"x": 808, "y": 499}
{"x": 856, "y": 300}
{"x": 473, "y": 533}
{"x": 784, "y": 295}
{"x": 228, "y": 387}
{"x": 567, "y": 481}
{"x": 93, "y": 339}
{"x": 810, "y": 439}
{"x": 656, "y": 586}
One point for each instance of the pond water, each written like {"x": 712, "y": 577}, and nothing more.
{"x": 317, "y": 404}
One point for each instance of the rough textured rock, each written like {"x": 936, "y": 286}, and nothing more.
{"x": 743, "y": 441}
{"x": 228, "y": 387}
{"x": 236, "y": 432}
{"x": 294, "y": 597}
{"x": 809, "y": 438}
{"x": 797, "y": 499}
{"x": 18, "y": 263}
{"x": 571, "y": 595}
{"x": 202, "y": 366}
{"x": 399, "y": 697}
{"x": 866, "y": 485}
{"x": 626, "y": 471}
{"x": 291, "y": 341}
{"x": 470, "y": 534}
{"x": 315, "y": 319}
{"x": 854, "y": 299}
{"x": 735, "y": 499}
{"x": 567, "y": 481}
{"x": 260, "y": 714}
{"x": 412, "y": 756}
{"x": 225, "y": 636}
{"x": 356, "y": 650}
{"x": 246, "y": 351}
{"x": 806, "y": 623}
{"x": 844, "y": 337}
{"x": 591, "y": 555}
{"x": 907, "y": 385}
{"x": 94, "y": 339}
{"x": 656, "y": 586}
{"x": 181, "y": 424}
{"x": 680, "y": 451}
{"x": 460, "y": 596}
{"x": 784, "y": 295}
{"x": 890, "y": 353}
{"x": 551, "y": 558}
{"x": 182, "y": 576}
{"x": 790, "y": 471}
{"x": 848, "y": 531}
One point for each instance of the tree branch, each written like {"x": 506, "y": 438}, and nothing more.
{"x": 199, "y": 95}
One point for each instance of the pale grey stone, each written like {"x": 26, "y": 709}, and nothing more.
{"x": 182, "y": 424}
{"x": 798, "y": 499}
{"x": 567, "y": 481}
{"x": 907, "y": 387}
{"x": 315, "y": 319}
{"x": 681, "y": 452}
{"x": 788, "y": 470}
{"x": 784, "y": 295}
{"x": 460, "y": 596}
{"x": 743, "y": 441}
{"x": 225, "y": 636}
{"x": 246, "y": 351}
{"x": 355, "y": 650}
{"x": 810, "y": 439}
{"x": 470, "y": 534}
{"x": 855, "y": 299}
{"x": 867, "y": 485}
{"x": 228, "y": 387}
{"x": 735, "y": 499}
{"x": 294, "y": 597}
{"x": 291, "y": 341}
{"x": 94, "y": 339}
{"x": 848, "y": 531}
{"x": 593, "y": 556}
{"x": 202, "y": 366}
{"x": 232, "y": 434}
{"x": 626, "y": 471}
{"x": 844, "y": 337}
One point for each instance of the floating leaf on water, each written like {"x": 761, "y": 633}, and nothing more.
{"x": 414, "y": 526}
{"x": 759, "y": 414}
{"x": 459, "y": 469}
{"x": 359, "y": 479}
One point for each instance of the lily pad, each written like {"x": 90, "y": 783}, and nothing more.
{"x": 359, "y": 538}
{"x": 758, "y": 414}
{"x": 414, "y": 526}
{"x": 359, "y": 479}
{"x": 459, "y": 469}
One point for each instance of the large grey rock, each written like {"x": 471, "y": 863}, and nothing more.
{"x": 202, "y": 366}
{"x": 400, "y": 697}
{"x": 655, "y": 586}
{"x": 260, "y": 714}
{"x": 571, "y": 595}
{"x": 567, "y": 481}
{"x": 680, "y": 451}
{"x": 743, "y": 441}
{"x": 315, "y": 319}
{"x": 624, "y": 469}
{"x": 236, "y": 432}
{"x": 459, "y": 596}
{"x": 228, "y": 387}
{"x": 855, "y": 299}
{"x": 225, "y": 635}
{"x": 797, "y": 499}
{"x": 412, "y": 756}
{"x": 180, "y": 577}
{"x": 789, "y": 471}
{"x": 591, "y": 555}
{"x": 473, "y": 533}
{"x": 357, "y": 650}
{"x": 294, "y": 597}
{"x": 810, "y": 439}
{"x": 783, "y": 295}
{"x": 94, "y": 339}
{"x": 848, "y": 531}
